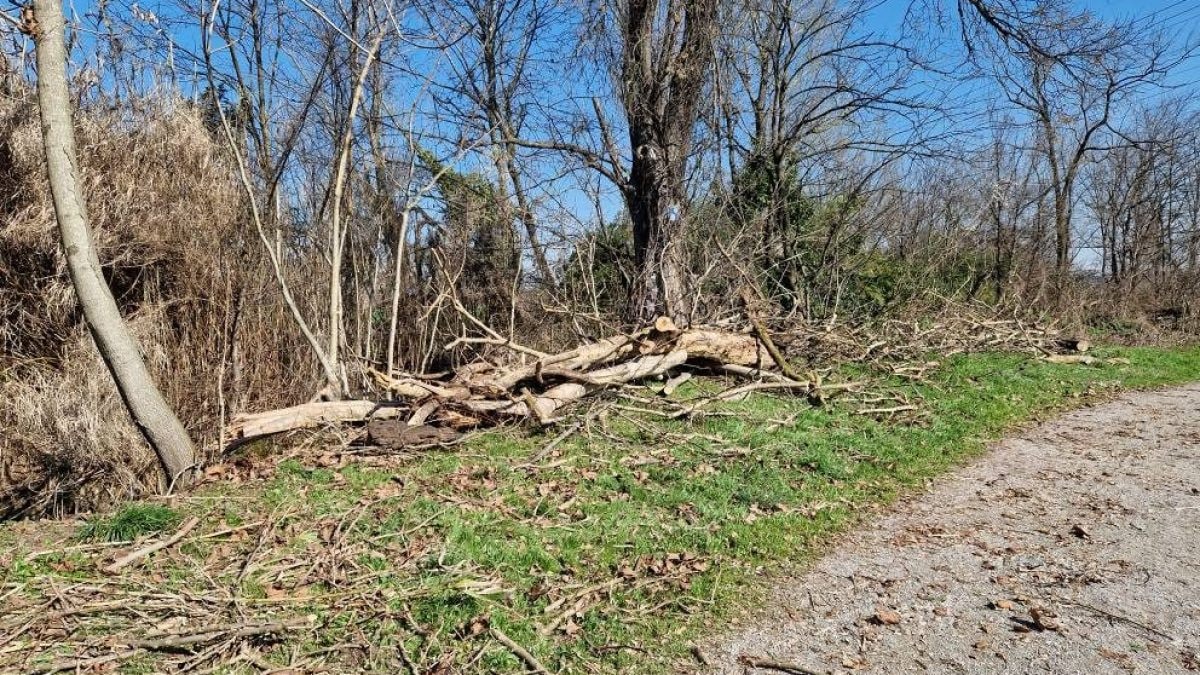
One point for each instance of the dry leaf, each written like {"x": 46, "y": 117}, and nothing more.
{"x": 886, "y": 617}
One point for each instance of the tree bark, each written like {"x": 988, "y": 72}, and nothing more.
{"x": 666, "y": 61}
{"x": 117, "y": 346}
{"x": 656, "y": 214}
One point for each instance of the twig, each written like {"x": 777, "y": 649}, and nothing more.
{"x": 770, "y": 664}
{"x": 757, "y": 386}
{"x": 164, "y": 644}
{"x": 82, "y": 665}
{"x": 520, "y": 651}
{"x": 496, "y": 341}
{"x": 1123, "y": 619}
{"x": 550, "y": 627}
{"x": 558, "y": 440}
{"x": 885, "y": 411}
{"x": 137, "y": 555}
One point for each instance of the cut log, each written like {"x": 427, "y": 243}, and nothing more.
{"x": 723, "y": 347}
{"x": 422, "y": 413}
{"x": 1078, "y": 345}
{"x": 397, "y": 435}
{"x": 1072, "y": 358}
{"x": 674, "y": 383}
{"x": 304, "y": 416}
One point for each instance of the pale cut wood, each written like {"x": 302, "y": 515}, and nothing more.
{"x": 674, "y": 383}
{"x": 723, "y": 347}
{"x": 712, "y": 345}
{"x": 303, "y": 416}
{"x": 554, "y": 398}
{"x": 422, "y": 413}
{"x": 580, "y": 358}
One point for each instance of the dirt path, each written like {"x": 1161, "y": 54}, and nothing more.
{"x": 1091, "y": 522}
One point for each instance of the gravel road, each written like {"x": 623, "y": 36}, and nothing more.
{"x": 1073, "y": 548}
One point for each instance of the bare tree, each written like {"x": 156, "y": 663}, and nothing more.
{"x": 661, "y": 55}
{"x": 497, "y": 55}
{"x": 120, "y": 351}
{"x": 1069, "y": 72}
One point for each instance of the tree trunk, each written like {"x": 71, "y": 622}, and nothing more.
{"x": 117, "y": 346}
{"x": 656, "y": 212}
{"x": 1062, "y": 237}
{"x": 667, "y": 55}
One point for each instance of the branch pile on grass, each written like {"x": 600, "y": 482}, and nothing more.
{"x": 931, "y": 333}
{"x": 538, "y": 387}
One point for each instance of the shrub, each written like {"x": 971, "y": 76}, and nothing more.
{"x": 168, "y": 221}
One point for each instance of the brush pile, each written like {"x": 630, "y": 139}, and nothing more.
{"x": 538, "y": 387}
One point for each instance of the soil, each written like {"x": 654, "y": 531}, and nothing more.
{"x": 1073, "y": 548}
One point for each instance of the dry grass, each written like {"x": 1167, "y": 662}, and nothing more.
{"x": 168, "y": 225}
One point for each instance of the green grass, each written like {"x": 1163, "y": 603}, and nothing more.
{"x": 130, "y": 522}
{"x": 681, "y": 521}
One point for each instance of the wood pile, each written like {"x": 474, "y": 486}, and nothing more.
{"x": 535, "y": 387}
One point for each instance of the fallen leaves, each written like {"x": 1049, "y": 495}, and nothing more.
{"x": 1045, "y": 619}
{"x": 886, "y": 617}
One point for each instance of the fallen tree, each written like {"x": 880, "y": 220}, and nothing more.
{"x": 533, "y": 388}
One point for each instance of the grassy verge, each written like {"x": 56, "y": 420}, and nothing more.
{"x": 610, "y": 554}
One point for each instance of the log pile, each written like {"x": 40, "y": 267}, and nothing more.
{"x": 535, "y": 387}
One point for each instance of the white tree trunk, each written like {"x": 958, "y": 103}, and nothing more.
{"x": 117, "y": 346}
{"x": 337, "y": 235}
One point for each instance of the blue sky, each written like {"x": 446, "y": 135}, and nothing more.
{"x": 1181, "y": 17}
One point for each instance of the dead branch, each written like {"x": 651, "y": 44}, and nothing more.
{"x": 771, "y": 664}
{"x": 764, "y": 336}
{"x": 137, "y": 555}
{"x": 165, "y": 644}
{"x": 886, "y": 411}
{"x": 529, "y": 659}
{"x": 484, "y": 393}
{"x": 304, "y": 416}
